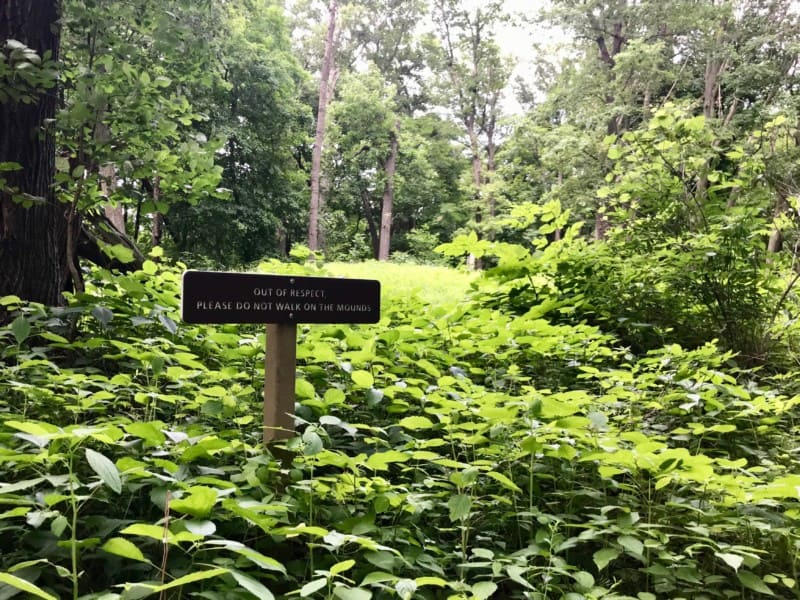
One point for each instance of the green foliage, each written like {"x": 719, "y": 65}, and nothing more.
{"x": 454, "y": 450}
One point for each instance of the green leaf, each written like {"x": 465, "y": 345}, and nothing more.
{"x": 190, "y": 578}
{"x": 460, "y": 506}
{"x": 150, "y": 432}
{"x": 584, "y": 580}
{"x": 342, "y": 566}
{"x": 21, "y": 329}
{"x": 125, "y": 548}
{"x": 631, "y": 544}
{"x": 605, "y": 556}
{"x": 362, "y": 379}
{"x": 753, "y": 582}
{"x": 313, "y": 586}
{"x": 734, "y": 561}
{"x": 380, "y": 461}
{"x": 348, "y": 593}
{"x": 252, "y": 586}
{"x": 25, "y": 586}
{"x": 105, "y": 469}
{"x": 149, "y": 267}
{"x": 483, "y": 589}
{"x": 118, "y": 252}
{"x": 304, "y": 389}
{"x": 428, "y": 580}
{"x": 504, "y": 481}
{"x": 198, "y": 503}
{"x": 378, "y": 577}
{"x": 416, "y": 423}
{"x": 406, "y": 588}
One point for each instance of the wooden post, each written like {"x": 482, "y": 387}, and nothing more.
{"x": 279, "y": 374}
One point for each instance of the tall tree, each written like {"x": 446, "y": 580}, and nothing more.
{"x": 325, "y": 88}
{"x": 34, "y": 233}
{"x": 472, "y": 74}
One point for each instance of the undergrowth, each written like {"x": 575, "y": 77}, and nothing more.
{"x": 456, "y": 450}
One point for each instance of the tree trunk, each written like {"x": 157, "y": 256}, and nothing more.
{"x": 33, "y": 241}
{"x": 775, "y": 242}
{"x": 388, "y": 198}
{"x": 108, "y": 178}
{"x": 157, "y": 227}
{"x": 373, "y": 230}
{"x": 315, "y": 205}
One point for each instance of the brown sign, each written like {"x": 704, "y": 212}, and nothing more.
{"x": 222, "y": 297}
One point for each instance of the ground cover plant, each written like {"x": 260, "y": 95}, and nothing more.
{"x": 461, "y": 448}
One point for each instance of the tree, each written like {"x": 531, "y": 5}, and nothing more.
{"x": 256, "y": 107}
{"x": 36, "y": 238}
{"x": 325, "y": 89}
{"x": 472, "y": 74}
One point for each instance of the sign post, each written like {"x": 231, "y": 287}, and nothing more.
{"x": 281, "y": 302}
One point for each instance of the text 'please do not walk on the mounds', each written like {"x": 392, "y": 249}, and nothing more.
{"x": 223, "y": 297}
{"x": 280, "y": 302}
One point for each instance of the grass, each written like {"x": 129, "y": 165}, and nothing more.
{"x": 432, "y": 284}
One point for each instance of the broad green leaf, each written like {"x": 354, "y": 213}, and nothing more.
{"x": 504, "y": 481}
{"x": 25, "y": 586}
{"x": 261, "y": 560}
{"x": 460, "y": 506}
{"x": 406, "y": 588}
{"x": 348, "y": 593}
{"x": 251, "y": 585}
{"x": 516, "y": 573}
{"x": 149, "y": 267}
{"x": 416, "y": 423}
{"x": 631, "y": 544}
{"x": 125, "y": 548}
{"x": 362, "y": 379}
{"x": 313, "y": 586}
{"x": 605, "y": 556}
{"x": 148, "y": 431}
{"x": 198, "y": 502}
{"x": 21, "y": 329}
{"x": 483, "y": 589}
{"x": 190, "y": 578}
{"x": 304, "y": 389}
{"x": 584, "y": 580}
{"x": 436, "y": 581}
{"x": 312, "y": 442}
{"x": 380, "y": 461}
{"x": 753, "y": 582}
{"x": 9, "y": 488}
{"x": 105, "y": 469}
{"x": 342, "y": 566}
{"x": 378, "y": 577}
{"x": 734, "y": 561}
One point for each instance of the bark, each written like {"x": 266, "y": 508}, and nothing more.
{"x": 775, "y": 242}
{"x": 388, "y": 198}
{"x": 315, "y": 206}
{"x": 373, "y": 229}
{"x": 157, "y": 227}
{"x": 33, "y": 241}
{"x": 108, "y": 178}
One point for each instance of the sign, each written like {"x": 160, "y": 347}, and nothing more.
{"x": 222, "y": 297}
{"x": 280, "y": 302}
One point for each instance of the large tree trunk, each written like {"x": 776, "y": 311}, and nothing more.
{"x": 33, "y": 241}
{"x": 388, "y": 199}
{"x": 322, "y": 112}
{"x": 373, "y": 229}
